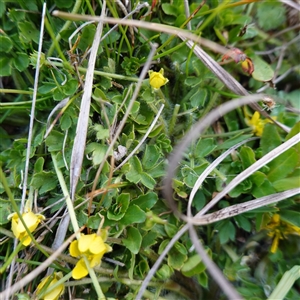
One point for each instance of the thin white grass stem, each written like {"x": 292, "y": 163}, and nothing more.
{"x": 249, "y": 171}
{"x": 143, "y": 139}
{"x": 208, "y": 170}
{"x": 32, "y": 113}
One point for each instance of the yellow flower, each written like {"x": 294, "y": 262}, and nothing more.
{"x": 31, "y": 220}
{"x": 278, "y": 229}
{"x": 93, "y": 248}
{"x": 56, "y": 292}
{"x": 157, "y": 79}
{"x": 257, "y": 123}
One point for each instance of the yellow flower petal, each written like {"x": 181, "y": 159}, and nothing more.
{"x": 157, "y": 79}
{"x": 74, "y": 251}
{"x": 97, "y": 246}
{"x": 54, "y": 294}
{"x": 85, "y": 241}
{"x": 80, "y": 270}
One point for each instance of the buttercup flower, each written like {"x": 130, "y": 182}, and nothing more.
{"x": 157, "y": 79}
{"x": 256, "y": 123}
{"x": 31, "y": 220}
{"x": 93, "y": 248}
{"x": 57, "y": 292}
{"x": 278, "y": 229}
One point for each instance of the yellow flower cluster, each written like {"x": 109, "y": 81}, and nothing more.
{"x": 257, "y": 123}
{"x": 31, "y": 220}
{"x": 157, "y": 79}
{"x": 56, "y": 292}
{"x": 93, "y": 248}
{"x": 278, "y": 229}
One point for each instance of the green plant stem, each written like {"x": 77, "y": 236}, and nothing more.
{"x": 11, "y": 257}
{"x": 66, "y": 194}
{"x": 174, "y": 118}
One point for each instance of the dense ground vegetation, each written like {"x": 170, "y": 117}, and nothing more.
{"x": 118, "y": 196}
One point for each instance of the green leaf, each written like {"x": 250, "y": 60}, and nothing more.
{"x": 262, "y": 71}
{"x": 283, "y": 165}
{"x": 101, "y": 132}
{"x": 54, "y": 141}
{"x": 6, "y": 210}
{"x": 192, "y": 81}
{"x": 117, "y": 211}
{"x": 5, "y": 66}
{"x": 171, "y": 229}
{"x": 147, "y": 180}
{"x": 87, "y": 37}
{"x": 243, "y": 222}
{"x": 291, "y": 217}
{"x": 286, "y": 184}
{"x": 233, "y": 141}
{"x": 98, "y": 152}
{"x": 151, "y": 156}
{"x": 64, "y": 3}
{"x": 133, "y": 215}
{"x": 247, "y": 157}
{"x": 270, "y": 139}
{"x": 44, "y": 181}
{"x": 193, "y": 266}
{"x": 270, "y": 14}
{"x": 28, "y": 32}
{"x": 21, "y": 61}
{"x": 133, "y": 241}
{"x": 170, "y": 9}
{"x": 263, "y": 190}
{"x": 165, "y": 272}
{"x": 5, "y": 44}
{"x": 204, "y": 147}
{"x": 149, "y": 239}
{"x": 146, "y": 202}
{"x": 176, "y": 259}
{"x": 226, "y": 232}
{"x": 135, "y": 170}
{"x": 39, "y": 164}
{"x": 198, "y": 98}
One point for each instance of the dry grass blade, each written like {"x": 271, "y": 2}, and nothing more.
{"x": 82, "y": 125}
{"x": 237, "y": 209}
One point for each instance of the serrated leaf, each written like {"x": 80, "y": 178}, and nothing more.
{"x": 28, "y": 32}
{"x": 133, "y": 241}
{"x": 98, "y": 152}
